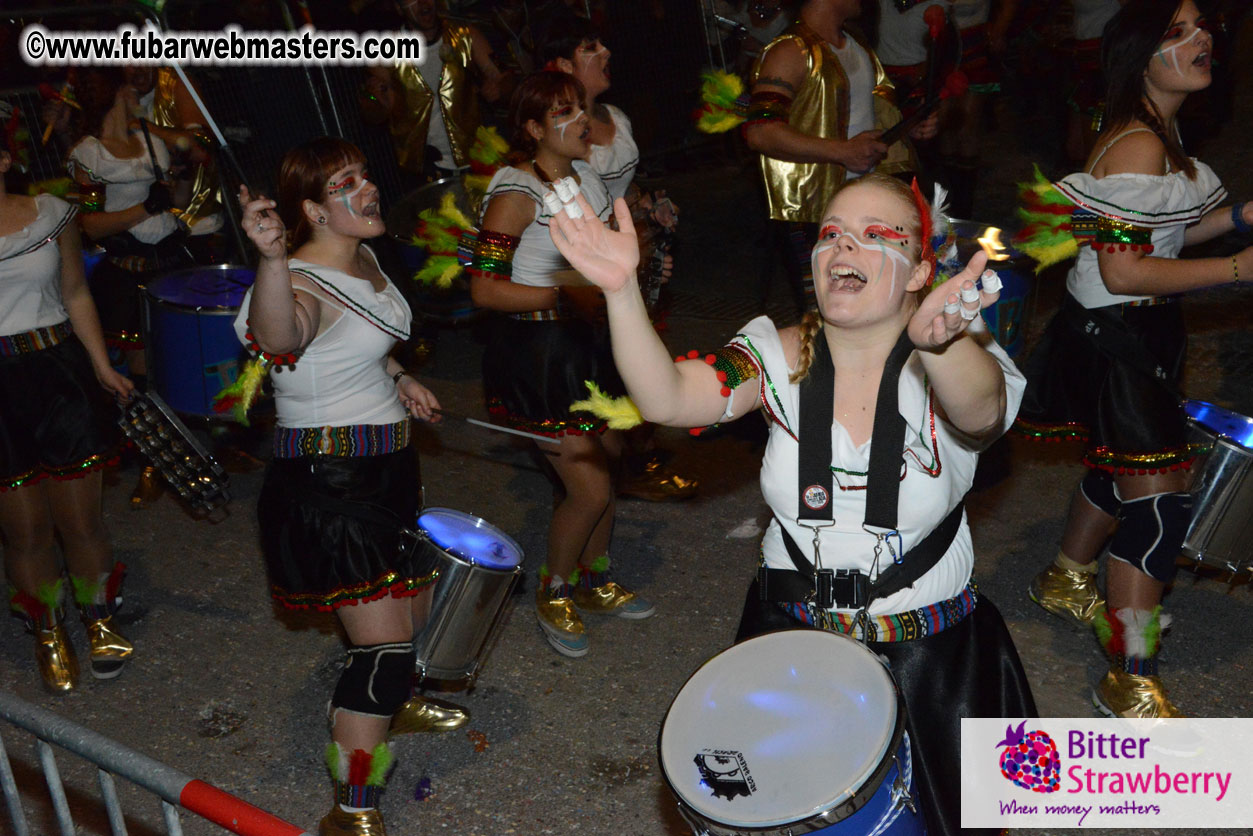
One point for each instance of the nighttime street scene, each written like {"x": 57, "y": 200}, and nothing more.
{"x": 626, "y": 417}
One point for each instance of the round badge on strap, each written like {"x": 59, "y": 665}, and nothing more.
{"x": 816, "y": 497}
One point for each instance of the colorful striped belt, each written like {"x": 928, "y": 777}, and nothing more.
{"x": 548, "y": 315}
{"x": 28, "y": 342}
{"x": 357, "y": 440}
{"x": 898, "y": 627}
{"x": 1152, "y": 300}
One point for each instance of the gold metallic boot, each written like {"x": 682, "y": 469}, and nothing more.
{"x": 425, "y": 714}
{"x": 110, "y": 650}
{"x": 612, "y": 598}
{"x": 340, "y": 822}
{"x": 55, "y": 656}
{"x": 1068, "y": 592}
{"x": 1122, "y": 694}
{"x": 560, "y": 622}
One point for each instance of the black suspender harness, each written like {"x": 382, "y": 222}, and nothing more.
{"x": 824, "y": 588}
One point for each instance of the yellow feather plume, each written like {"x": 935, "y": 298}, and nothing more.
{"x": 620, "y": 413}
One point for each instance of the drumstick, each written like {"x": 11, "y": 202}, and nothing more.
{"x": 476, "y": 422}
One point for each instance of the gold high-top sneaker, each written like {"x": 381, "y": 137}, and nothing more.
{"x": 1122, "y": 694}
{"x": 426, "y": 714}
{"x": 110, "y": 650}
{"x": 340, "y": 822}
{"x": 55, "y": 656}
{"x": 1068, "y": 593}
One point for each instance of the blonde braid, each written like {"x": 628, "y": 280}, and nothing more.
{"x": 811, "y": 325}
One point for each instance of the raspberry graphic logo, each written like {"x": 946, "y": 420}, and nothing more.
{"x": 1030, "y": 759}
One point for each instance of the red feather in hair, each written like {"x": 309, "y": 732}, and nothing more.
{"x": 924, "y": 215}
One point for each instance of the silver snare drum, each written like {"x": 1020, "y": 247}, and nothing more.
{"x": 478, "y": 566}
{"x": 1221, "y": 532}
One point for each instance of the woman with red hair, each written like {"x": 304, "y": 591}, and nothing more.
{"x": 344, "y": 479}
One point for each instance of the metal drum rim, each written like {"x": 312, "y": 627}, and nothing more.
{"x": 845, "y": 805}
{"x": 1218, "y": 434}
{"x": 469, "y": 561}
{"x": 178, "y": 306}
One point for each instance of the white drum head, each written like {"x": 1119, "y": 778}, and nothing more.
{"x": 779, "y": 728}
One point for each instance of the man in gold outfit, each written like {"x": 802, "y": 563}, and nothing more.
{"x": 432, "y": 109}
{"x": 820, "y": 100}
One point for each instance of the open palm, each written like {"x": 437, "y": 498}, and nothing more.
{"x": 605, "y": 258}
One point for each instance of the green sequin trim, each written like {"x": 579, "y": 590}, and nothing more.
{"x": 391, "y": 583}
{"x": 552, "y": 427}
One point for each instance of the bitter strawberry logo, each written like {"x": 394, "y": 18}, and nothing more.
{"x": 1030, "y": 759}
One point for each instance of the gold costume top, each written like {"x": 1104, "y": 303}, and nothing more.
{"x": 205, "y": 197}
{"x": 800, "y": 191}
{"x": 458, "y": 102}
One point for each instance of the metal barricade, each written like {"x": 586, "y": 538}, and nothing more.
{"x": 175, "y": 789}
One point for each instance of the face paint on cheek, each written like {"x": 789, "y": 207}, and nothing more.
{"x": 345, "y": 197}
{"x": 1174, "y": 51}
{"x": 821, "y": 247}
{"x": 561, "y": 126}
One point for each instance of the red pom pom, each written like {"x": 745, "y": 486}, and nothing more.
{"x": 711, "y": 359}
{"x": 1122, "y": 248}
{"x": 1148, "y": 248}
{"x": 726, "y": 392}
{"x": 693, "y": 354}
{"x": 722, "y": 376}
{"x": 696, "y": 430}
{"x": 679, "y": 359}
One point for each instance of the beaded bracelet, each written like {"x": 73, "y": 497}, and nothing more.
{"x": 1237, "y": 220}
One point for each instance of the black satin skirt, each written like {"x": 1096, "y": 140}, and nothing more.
{"x": 971, "y": 669}
{"x": 333, "y": 529}
{"x": 1101, "y": 381}
{"x": 55, "y": 420}
{"x": 533, "y": 371}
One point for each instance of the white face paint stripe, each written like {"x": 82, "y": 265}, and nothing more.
{"x": 588, "y": 56}
{"x": 889, "y": 251}
{"x": 346, "y": 197}
{"x": 1172, "y": 49}
{"x": 561, "y": 126}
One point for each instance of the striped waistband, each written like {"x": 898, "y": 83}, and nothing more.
{"x": 357, "y": 440}
{"x": 899, "y": 627}
{"x": 1154, "y": 300}
{"x": 28, "y": 342}
{"x": 548, "y": 315}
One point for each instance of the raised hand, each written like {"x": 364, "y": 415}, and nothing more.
{"x": 262, "y": 225}
{"x": 945, "y": 312}
{"x": 604, "y": 257}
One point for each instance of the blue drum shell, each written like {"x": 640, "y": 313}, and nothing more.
{"x": 193, "y": 352}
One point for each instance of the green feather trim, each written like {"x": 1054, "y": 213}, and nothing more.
{"x": 1046, "y": 235}
{"x": 600, "y": 565}
{"x": 50, "y": 594}
{"x": 619, "y": 413}
{"x": 85, "y": 590}
{"x": 1100, "y": 624}
{"x": 1153, "y": 632}
{"x": 240, "y": 395}
{"x": 440, "y": 270}
{"x": 382, "y": 760}
{"x": 336, "y": 761}
{"x": 720, "y": 88}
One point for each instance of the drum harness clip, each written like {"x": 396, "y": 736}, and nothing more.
{"x": 820, "y": 588}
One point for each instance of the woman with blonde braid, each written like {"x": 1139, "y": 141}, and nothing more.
{"x": 881, "y": 367}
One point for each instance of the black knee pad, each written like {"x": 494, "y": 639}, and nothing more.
{"x": 1098, "y": 488}
{"x": 1150, "y": 533}
{"x": 376, "y": 680}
